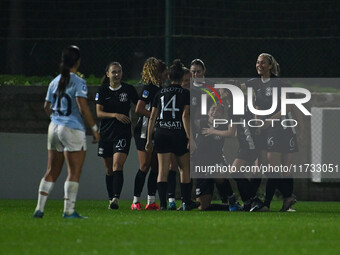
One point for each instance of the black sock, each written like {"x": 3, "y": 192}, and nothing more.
{"x": 224, "y": 190}
{"x": 118, "y": 180}
{"x": 186, "y": 192}
{"x": 218, "y": 207}
{"x": 244, "y": 187}
{"x": 286, "y": 187}
{"x": 152, "y": 183}
{"x": 139, "y": 183}
{"x": 255, "y": 183}
{"x": 109, "y": 185}
{"x": 162, "y": 191}
{"x": 172, "y": 184}
{"x": 272, "y": 185}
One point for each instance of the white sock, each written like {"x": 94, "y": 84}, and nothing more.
{"x": 135, "y": 200}
{"x": 71, "y": 190}
{"x": 151, "y": 199}
{"x": 171, "y": 199}
{"x": 45, "y": 187}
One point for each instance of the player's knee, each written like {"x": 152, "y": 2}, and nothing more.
{"x": 162, "y": 176}
{"x": 108, "y": 171}
{"x": 144, "y": 167}
{"x": 203, "y": 206}
{"x": 118, "y": 166}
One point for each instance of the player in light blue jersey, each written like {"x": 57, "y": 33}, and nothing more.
{"x": 64, "y": 108}
{"x": 66, "y": 103}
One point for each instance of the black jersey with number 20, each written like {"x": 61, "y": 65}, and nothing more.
{"x": 170, "y": 102}
{"x": 115, "y": 101}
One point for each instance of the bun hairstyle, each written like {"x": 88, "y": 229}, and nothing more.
{"x": 105, "y": 79}
{"x": 176, "y": 71}
{"x": 69, "y": 58}
{"x": 161, "y": 66}
{"x": 186, "y": 70}
{"x": 272, "y": 61}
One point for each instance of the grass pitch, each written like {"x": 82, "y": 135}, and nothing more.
{"x": 313, "y": 229}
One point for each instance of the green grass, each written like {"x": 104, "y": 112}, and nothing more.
{"x": 313, "y": 229}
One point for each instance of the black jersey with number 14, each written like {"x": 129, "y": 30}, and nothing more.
{"x": 170, "y": 102}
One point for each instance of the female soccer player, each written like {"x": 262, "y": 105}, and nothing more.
{"x": 153, "y": 75}
{"x": 173, "y": 162}
{"x": 247, "y": 152}
{"x": 66, "y": 104}
{"x": 210, "y": 142}
{"x": 279, "y": 143}
{"x": 171, "y": 107}
{"x": 113, "y": 101}
{"x": 198, "y": 72}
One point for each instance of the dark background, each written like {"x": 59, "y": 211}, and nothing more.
{"x": 227, "y": 35}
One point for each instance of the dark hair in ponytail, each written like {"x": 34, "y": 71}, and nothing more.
{"x": 105, "y": 79}
{"x": 69, "y": 58}
{"x": 176, "y": 71}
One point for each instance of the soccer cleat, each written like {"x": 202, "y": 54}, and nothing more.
{"x": 74, "y": 215}
{"x": 189, "y": 206}
{"x": 172, "y": 206}
{"x": 291, "y": 209}
{"x": 38, "y": 214}
{"x": 246, "y": 207}
{"x": 258, "y": 206}
{"x": 287, "y": 203}
{"x": 114, "y": 204}
{"x": 235, "y": 207}
{"x": 137, "y": 206}
{"x": 153, "y": 206}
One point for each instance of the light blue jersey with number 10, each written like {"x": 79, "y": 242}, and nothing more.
{"x": 64, "y": 107}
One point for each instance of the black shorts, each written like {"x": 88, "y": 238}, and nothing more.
{"x": 280, "y": 140}
{"x": 247, "y": 155}
{"x": 120, "y": 144}
{"x": 140, "y": 142}
{"x": 204, "y": 187}
{"x": 169, "y": 143}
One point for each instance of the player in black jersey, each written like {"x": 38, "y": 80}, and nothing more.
{"x": 198, "y": 72}
{"x": 278, "y": 142}
{"x": 113, "y": 103}
{"x": 173, "y": 162}
{"x": 197, "y": 69}
{"x": 209, "y": 152}
{"x": 247, "y": 152}
{"x": 153, "y": 75}
{"x": 171, "y": 107}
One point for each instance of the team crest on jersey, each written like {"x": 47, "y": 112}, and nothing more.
{"x": 268, "y": 91}
{"x": 84, "y": 89}
{"x": 123, "y": 97}
{"x": 145, "y": 94}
